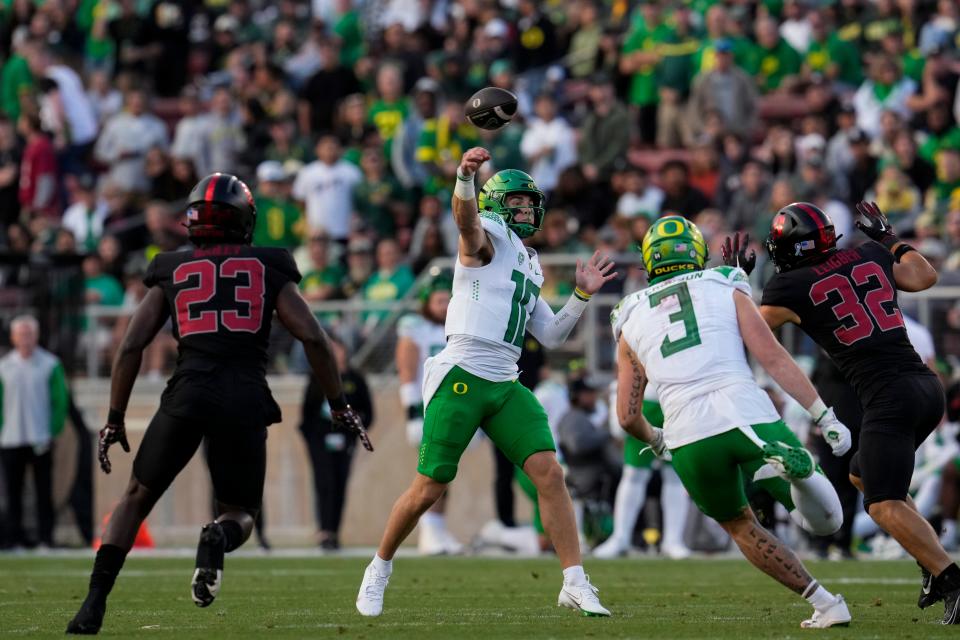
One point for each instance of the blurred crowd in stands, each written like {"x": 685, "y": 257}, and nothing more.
{"x": 346, "y": 118}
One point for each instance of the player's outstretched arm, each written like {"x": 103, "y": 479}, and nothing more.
{"x": 551, "y": 329}
{"x": 475, "y": 247}
{"x": 911, "y": 271}
{"x": 146, "y": 322}
{"x": 631, "y": 383}
{"x": 296, "y": 316}
{"x": 775, "y": 360}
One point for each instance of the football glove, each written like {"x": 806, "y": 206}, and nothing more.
{"x": 415, "y": 431}
{"x": 835, "y": 433}
{"x": 734, "y": 253}
{"x": 348, "y": 420}
{"x": 875, "y": 225}
{"x": 111, "y": 434}
{"x": 659, "y": 445}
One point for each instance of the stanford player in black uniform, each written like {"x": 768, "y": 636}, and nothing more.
{"x": 846, "y": 300}
{"x": 221, "y": 297}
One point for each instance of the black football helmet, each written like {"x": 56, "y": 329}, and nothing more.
{"x": 220, "y": 209}
{"x": 800, "y": 234}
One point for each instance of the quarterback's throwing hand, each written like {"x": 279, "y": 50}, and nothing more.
{"x": 835, "y": 433}
{"x": 110, "y": 434}
{"x": 471, "y": 161}
{"x": 734, "y": 252}
{"x": 595, "y": 273}
{"x": 349, "y": 420}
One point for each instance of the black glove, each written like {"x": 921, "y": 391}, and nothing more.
{"x": 110, "y": 434}
{"x": 349, "y": 420}
{"x": 873, "y": 223}
{"x": 734, "y": 253}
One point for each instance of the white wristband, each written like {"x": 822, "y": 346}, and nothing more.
{"x": 410, "y": 394}
{"x": 464, "y": 189}
{"x": 817, "y": 409}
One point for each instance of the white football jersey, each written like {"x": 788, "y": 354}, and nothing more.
{"x": 428, "y": 336}
{"x": 686, "y": 335}
{"x": 494, "y": 302}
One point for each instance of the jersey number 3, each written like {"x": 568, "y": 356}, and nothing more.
{"x": 684, "y": 314}
{"x": 850, "y": 306}
{"x": 250, "y": 295}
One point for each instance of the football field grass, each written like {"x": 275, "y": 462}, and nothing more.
{"x": 460, "y": 598}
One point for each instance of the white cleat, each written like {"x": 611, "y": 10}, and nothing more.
{"x": 836, "y": 615}
{"x": 676, "y": 551}
{"x": 612, "y": 548}
{"x": 583, "y": 597}
{"x": 370, "y": 598}
{"x": 451, "y": 546}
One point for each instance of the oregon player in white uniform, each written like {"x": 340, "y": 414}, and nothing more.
{"x": 473, "y": 382}
{"x": 420, "y": 336}
{"x": 686, "y": 333}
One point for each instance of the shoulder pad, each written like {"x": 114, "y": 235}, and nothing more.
{"x": 732, "y": 276}
{"x": 620, "y": 313}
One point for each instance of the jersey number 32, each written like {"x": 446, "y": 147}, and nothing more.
{"x": 246, "y": 276}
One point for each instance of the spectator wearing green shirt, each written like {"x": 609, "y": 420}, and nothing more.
{"x": 100, "y": 288}
{"x": 379, "y": 199}
{"x": 717, "y": 19}
{"x": 942, "y": 133}
{"x": 674, "y": 75}
{"x": 16, "y": 80}
{"x": 390, "y": 281}
{"x": 388, "y": 112}
{"x": 773, "y": 63}
{"x": 280, "y": 220}
{"x": 641, "y": 55}
{"x": 322, "y": 280}
{"x": 442, "y": 141}
{"x": 836, "y": 59}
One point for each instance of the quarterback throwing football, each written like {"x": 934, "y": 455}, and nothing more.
{"x": 473, "y": 384}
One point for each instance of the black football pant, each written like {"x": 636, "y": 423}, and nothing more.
{"x": 236, "y": 457}
{"x": 15, "y": 462}
{"x": 331, "y": 470}
{"x": 895, "y": 423}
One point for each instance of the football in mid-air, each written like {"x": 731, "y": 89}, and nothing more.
{"x": 491, "y": 108}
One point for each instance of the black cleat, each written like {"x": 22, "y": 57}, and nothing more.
{"x": 88, "y": 620}
{"x": 929, "y": 594}
{"x": 209, "y": 571}
{"x": 951, "y": 607}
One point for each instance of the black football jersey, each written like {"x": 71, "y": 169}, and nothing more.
{"x": 848, "y": 305}
{"x": 221, "y": 300}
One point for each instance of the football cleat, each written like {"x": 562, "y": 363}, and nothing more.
{"x": 836, "y": 615}
{"x": 612, "y": 548}
{"x": 583, "y": 597}
{"x": 676, "y": 551}
{"x": 791, "y": 463}
{"x": 88, "y": 620}
{"x": 370, "y": 598}
{"x": 929, "y": 594}
{"x": 208, "y": 575}
{"x": 951, "y": 607}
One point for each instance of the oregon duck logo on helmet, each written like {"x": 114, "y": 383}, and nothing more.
{"x": 673, "y": 245}
{"x": 493, "y": 198}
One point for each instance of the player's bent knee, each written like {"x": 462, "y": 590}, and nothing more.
{"x": 442, "y": 474}
{"x": 545, "y": 472}
{"x": 883, "y": 509}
